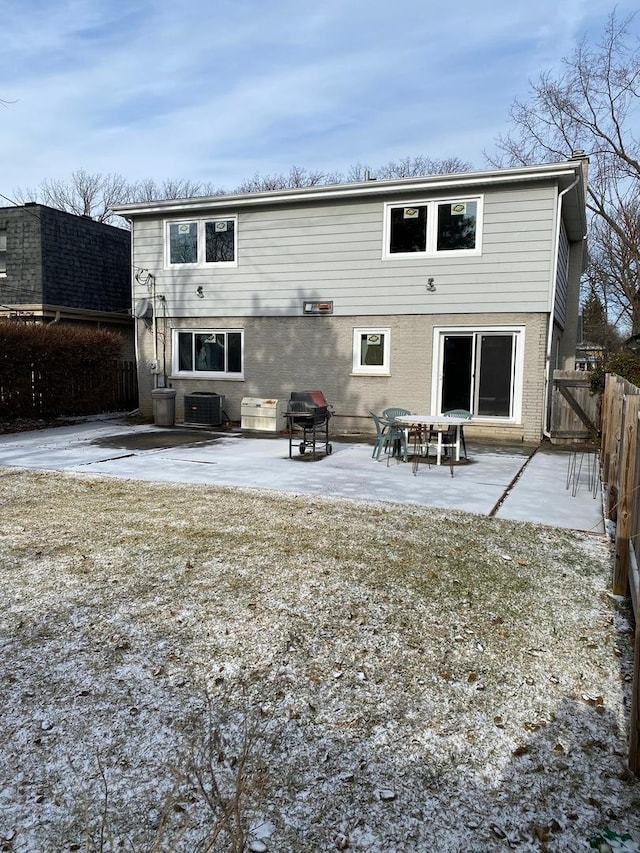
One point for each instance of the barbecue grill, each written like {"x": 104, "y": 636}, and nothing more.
{"x": 308, "y": 414}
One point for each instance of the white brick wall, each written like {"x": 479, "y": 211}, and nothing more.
{"x": 299, "y": 353}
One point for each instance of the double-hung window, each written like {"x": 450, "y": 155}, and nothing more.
{"x": 433, "y": 228}
{"x": 216, "y": 353}
{"x": 371, "y": 348}
{"x": 201, "y": 242}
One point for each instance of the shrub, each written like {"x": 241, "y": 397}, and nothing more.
{"x": 625, "y": 364}
{"x": 52, "y": 370}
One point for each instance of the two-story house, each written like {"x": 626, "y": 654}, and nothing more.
{"x": 59, "y": 267}
{"x": 432, "y": 293}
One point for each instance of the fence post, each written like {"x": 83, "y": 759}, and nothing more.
{"x": 626, "y": 490}
{"x": 634, "y": 722}
{"x": 634, "y": 718}
{"x": 605, "y": 426}
{"x": 613, "y": 392}
{"x": 610, "y": 477}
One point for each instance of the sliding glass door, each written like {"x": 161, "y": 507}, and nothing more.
{"x": 478, "y": 372}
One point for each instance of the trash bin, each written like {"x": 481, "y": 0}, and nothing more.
{"x": 164, "y": 406}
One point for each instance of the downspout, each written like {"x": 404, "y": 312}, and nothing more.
{"x": 150, "y": 282}
{"x": 546, "y": 430}
{"x": 154, "y": 327}
{"x": 136, "y": 346}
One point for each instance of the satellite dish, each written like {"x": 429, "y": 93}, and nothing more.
{"x": 143, "y": 309}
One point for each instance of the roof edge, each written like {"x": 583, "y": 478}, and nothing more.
{"x": 568, "y": 169}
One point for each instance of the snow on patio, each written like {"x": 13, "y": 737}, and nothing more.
{"x": 481, "y": 485}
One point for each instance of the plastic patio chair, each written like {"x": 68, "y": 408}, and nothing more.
{"x": 460, "y": 413}
{"x": 382, "y": 435}
{"x": 390, "y": 414}
{"x": 394, "y": 412}
{"x": 387, "y": 436}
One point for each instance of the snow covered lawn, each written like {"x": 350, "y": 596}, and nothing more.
{"x": 189, "y": 668}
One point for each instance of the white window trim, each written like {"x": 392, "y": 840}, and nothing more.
{"x": 202, "y": 374}
{"x": 358, "y": 369}
{"x": 200, "y": 222}
{"x": 518, "y": 374}
{"x": 432, "y": 226}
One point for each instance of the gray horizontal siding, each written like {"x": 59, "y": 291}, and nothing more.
{"x": 334, "y": 251}
{"x": 562, "y": 279}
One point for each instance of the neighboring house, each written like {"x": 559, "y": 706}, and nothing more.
{"x": 589, "y": 356}
{"x": 433, "y": 293}
{"x": 58, "y": 267}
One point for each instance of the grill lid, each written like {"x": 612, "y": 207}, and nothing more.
{"x": 310, "y": 404}
{"x": 315, "y": 399}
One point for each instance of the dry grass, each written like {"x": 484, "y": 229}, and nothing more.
{"x": 192, "y": 668}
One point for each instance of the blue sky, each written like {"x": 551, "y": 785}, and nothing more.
{"x": 219, "y": 90}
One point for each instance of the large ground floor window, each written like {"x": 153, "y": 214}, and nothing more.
{"x": 217, "y": 352}
{"x": 480, "y": 371}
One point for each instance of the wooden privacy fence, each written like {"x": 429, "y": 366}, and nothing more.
{"x": 124, "y": 390}
{"x": 574, "y": 407}
{"x": 34, "y": 393}
{"x": 620, "y": 455}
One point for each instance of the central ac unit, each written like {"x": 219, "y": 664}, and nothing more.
{"x": 203, "y": 407}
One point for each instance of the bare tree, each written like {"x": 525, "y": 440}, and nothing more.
{"x": 407, "y": 167}
{"x": 94, "y": 195}
{"x": 412, "y": 167}
{"x": 613, "y": 272}
{"x": 151, "y": 190}
{"x": 590, "y": 106}
{"x": 295, "y": 178}
{"x": 85, "y": 194}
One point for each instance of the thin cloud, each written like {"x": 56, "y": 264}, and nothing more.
{"x": 218, "y": 91}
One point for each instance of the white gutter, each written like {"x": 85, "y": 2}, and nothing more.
{"x": 546, "y": 431}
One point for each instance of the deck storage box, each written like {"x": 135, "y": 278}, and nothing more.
{"x": 263, "y": 414}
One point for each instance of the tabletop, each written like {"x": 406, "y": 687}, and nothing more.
{"x": 430, "y": 420}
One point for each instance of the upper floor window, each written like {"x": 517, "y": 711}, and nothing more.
{"x": 217, "y": 352}
{"x": 201, "y": 241}
{"x": 433, "y": 227}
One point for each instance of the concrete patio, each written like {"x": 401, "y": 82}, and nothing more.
{"x": 518, "y": 483}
